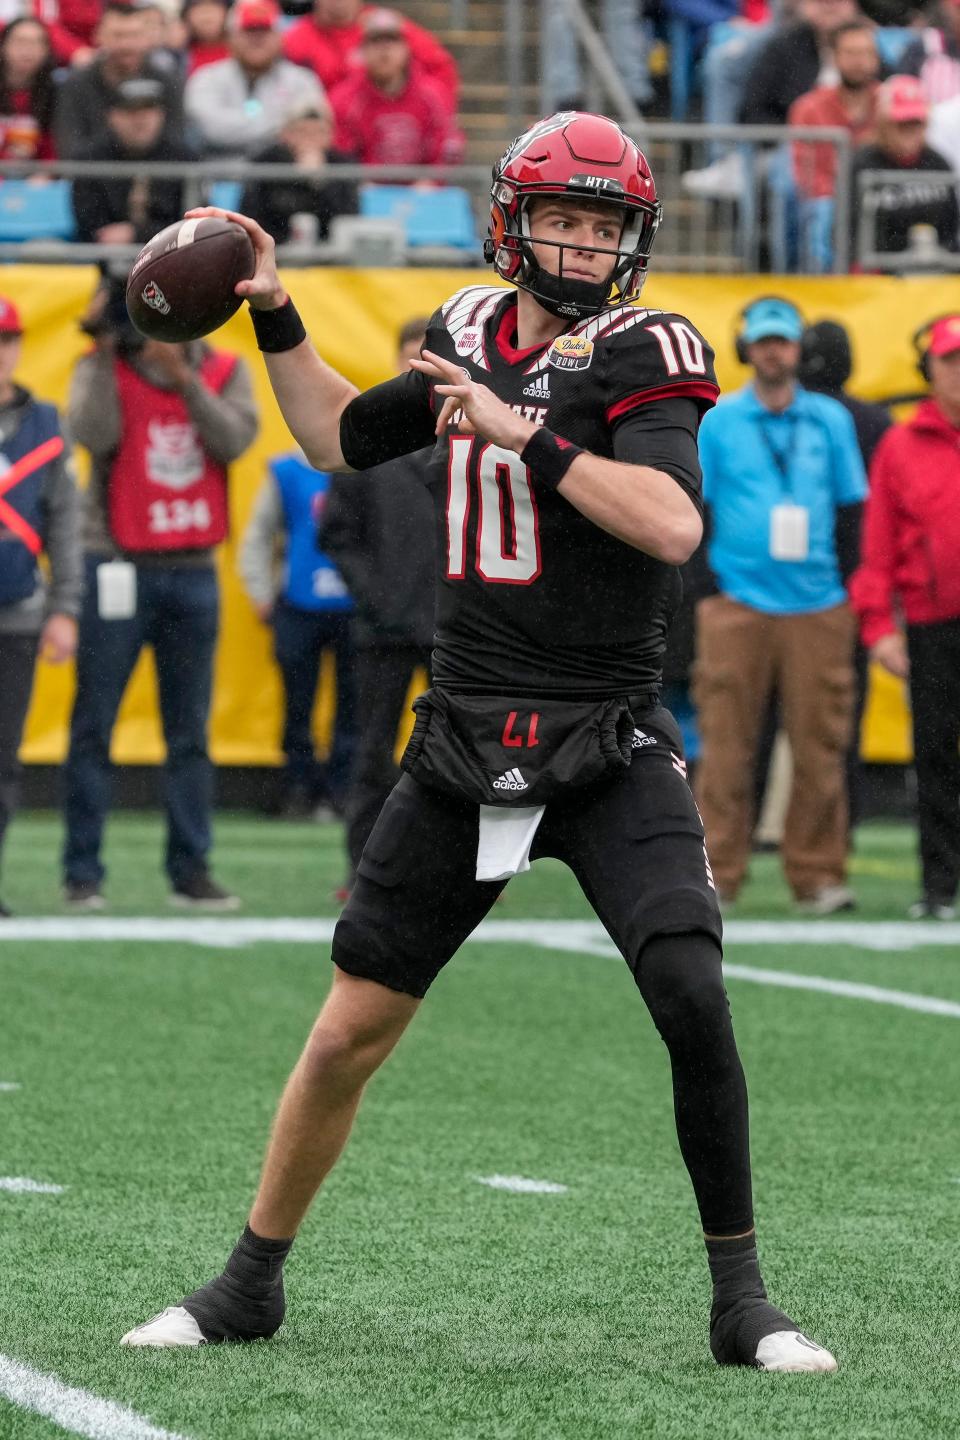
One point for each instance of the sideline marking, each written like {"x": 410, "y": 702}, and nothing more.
{"x": 519, "y": 1185}
{"x": 581, "y": 937}
{"x": 6, "y": 1086}
{"x": 221, "y": 932}
{"x": 23, "y": 1185}
{"x": 77, "y": 1411}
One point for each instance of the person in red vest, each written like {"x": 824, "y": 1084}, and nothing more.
{"x": 909, "y": 569}
{"x": 388, "y": 112}
{"x": 162, "y": 424}
{"x": 39, "y": 508}
{"x": 330, "y": 42}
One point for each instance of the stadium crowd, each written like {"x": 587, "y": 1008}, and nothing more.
{"x": 106, "y": 80}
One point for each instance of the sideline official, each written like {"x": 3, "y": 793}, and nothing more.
{"x": 911, "y": 567}
{"x": 783, "y": 483}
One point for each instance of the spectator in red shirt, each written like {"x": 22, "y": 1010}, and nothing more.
{"x": 26, "y": 91}
{"x": 72, "y": 27}
{"x": 206, "y": 32}
{"x": 851, "y": 104}
{"x": 330, "y": 41}
{"x": 390, "y": 113}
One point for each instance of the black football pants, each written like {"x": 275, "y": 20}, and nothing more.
{"x": 636, "y": 847}
{"x": 383, "y": 674}
{"x": 935, "y": 701}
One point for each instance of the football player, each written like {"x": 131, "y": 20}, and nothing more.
{"x": 566, "y": 487}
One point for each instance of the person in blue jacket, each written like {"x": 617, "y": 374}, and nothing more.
{"x": 297, "y": 589}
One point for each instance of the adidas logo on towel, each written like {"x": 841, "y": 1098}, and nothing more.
{"x": 538, "y": 389}
{"x": 511, "y": 780}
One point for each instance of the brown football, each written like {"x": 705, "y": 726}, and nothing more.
{"x": 182, "y": 282}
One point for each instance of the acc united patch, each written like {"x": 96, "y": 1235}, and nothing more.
{"x": 570, "y": 352}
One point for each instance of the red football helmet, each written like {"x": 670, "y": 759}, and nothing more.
{"x": 585, "y": 157}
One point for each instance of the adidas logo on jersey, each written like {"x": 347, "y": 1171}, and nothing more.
{"x": 538, "y": 389}
{"x": 640, "y": 738}
{"x": 511, "y": 780}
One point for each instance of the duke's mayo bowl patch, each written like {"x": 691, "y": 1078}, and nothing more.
{"x": 570, "y": 352}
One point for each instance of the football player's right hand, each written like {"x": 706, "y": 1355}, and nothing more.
{"x": 890, "y": 651}
{"x": 263, "y": 290}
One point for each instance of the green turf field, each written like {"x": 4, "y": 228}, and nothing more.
{"x": 422, "y": 1303}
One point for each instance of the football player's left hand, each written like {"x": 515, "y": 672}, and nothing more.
{"x": 482, "y": 412}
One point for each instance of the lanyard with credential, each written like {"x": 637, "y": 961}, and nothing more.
{"x": 782, "y": 459}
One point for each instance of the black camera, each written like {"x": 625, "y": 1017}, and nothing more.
{"x": 114, "y": 320}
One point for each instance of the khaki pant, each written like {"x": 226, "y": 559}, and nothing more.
{"x": 742, "y": 656}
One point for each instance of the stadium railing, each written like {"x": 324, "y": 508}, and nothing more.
{"x": 923, "y": 252}
{"x": 746, "y": 231}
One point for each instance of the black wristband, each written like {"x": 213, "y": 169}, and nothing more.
{"x": 549, "y": 456}
{"x": 279, "y": 329}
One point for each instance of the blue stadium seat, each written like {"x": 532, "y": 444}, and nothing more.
{"x": 429, "y": 217}
{"x": 36, "y": 212}
{"x": 225, "y": 194}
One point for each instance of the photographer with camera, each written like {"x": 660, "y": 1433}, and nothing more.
{"x": 162, "y": 423}
{"x": 39, "y": 508}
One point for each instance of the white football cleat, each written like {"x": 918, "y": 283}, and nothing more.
{"x": 790, "y": 1351}
{"x": 173, "y": 1326}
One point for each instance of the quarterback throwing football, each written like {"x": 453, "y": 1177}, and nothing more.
{"x": 566, "y": 487}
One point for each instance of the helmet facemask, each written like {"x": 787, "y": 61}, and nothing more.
{"x": 566, "y": 297}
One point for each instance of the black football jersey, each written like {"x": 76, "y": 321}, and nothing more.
{"x": 534, "y": 598}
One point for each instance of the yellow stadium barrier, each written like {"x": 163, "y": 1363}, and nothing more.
{"x": 353, "y": 317}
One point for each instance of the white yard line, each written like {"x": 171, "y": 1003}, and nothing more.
{"x": 227, "y": 933}
{"x": 76, "y": 1411}
{"x": 581, "y": 937}
{"x": 6, "y": 1086}
{"x": 23, "y": 1185}
{"x": 520, "y": 1185}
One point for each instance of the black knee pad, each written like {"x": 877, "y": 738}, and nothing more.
{"x": 681, "y": 979}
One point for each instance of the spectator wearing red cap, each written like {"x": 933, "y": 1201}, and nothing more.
{"x": 239, "y": 103}
{"x": 26, "y": 91}
{"x": 330, "y": 42}
{"x": 39, "y": 515}
{"x": 902, "y": 111}
{"x": 389, "y": 113}
{"x": 909, "y": 567}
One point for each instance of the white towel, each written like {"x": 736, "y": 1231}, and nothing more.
{"x": 506, "y": 835}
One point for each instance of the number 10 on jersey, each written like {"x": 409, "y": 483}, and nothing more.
{"x": 508, "y": 525}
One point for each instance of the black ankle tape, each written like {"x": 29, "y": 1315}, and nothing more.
{"x": 246, "y": 1302}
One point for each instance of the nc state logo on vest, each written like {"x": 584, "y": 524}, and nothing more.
{"x": 174, "y": 455}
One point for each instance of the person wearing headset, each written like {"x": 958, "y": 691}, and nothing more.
{"x": 906, "y": 594}
{"x": 784, "y": 486}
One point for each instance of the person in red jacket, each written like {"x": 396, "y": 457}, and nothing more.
{"x": 330, "y": 41}
{"x": 390, "y": 112}
{"x": 907, "y": 595}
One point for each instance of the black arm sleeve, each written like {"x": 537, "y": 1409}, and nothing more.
{"x": 663, "y": 434}
{"x": 392, "y": 419}
{"x": 846, "y": 530}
